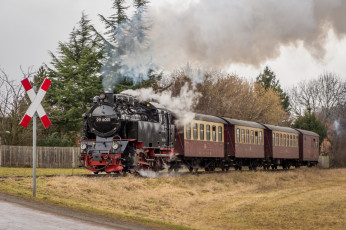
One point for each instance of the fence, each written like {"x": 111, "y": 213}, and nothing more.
{"x": 47, "y": 157}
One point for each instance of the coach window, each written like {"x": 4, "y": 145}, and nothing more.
{"x": 277, "y": 139}
{"x": 304, "y": 142}
{"x": 260, "y": 137}
{"x": 284, "y": 143}
{"x": 195, "y": 131}
{"x": 288, "y": 141}
{"x": 256, "y": 137}
{"x": 273, "y": 141}
{"x": 280, "y": 139}
{"x": 243, "y": 136}
{"x": 294, "y": 141}
{"x": 201, "y": 132}
{"x": 238, "y": 136}
{"x": 188, "y": 131}
{"x": 291, "y": 141}
{"x": 214, "y": 133}
{"x": 252, "y": 140}
{"x": 247, "y": 136}
{"x": 220, "y": 133}
{"x": 208, "y": 132}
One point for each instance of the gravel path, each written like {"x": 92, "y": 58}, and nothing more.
{"x": 18, "y": 213}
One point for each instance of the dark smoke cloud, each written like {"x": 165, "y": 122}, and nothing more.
{"x": 221, "y": 32}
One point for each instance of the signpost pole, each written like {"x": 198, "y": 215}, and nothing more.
{"x": 34, "y": 153}
{"x": 35, "y": 108}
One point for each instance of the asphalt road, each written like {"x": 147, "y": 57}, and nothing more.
{"x": 17, "y": 213}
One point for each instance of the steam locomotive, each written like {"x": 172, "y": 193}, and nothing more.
{"x": 122, "y": 134}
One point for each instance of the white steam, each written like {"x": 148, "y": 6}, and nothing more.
{"x": 181, "y": 105}
{"x": 223, "y": 32}
{"x": 337, "y": 127}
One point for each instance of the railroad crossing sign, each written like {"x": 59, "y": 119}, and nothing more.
{"x": 36, "y": 103}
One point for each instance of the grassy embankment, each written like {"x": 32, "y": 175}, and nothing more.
{"x": 302, "y": 198}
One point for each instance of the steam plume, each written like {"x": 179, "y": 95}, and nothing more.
{"x": 181, "y": 105}
{"x": 221, "y": 32}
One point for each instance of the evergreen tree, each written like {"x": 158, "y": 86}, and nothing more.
{"x": 75, "y": 78}
{"x": 126, "y": 47}
{"x": 267, "y": 80}
{"x": 310, "y": 122}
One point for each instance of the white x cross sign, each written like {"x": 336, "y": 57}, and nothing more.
{"x": 36, "y": 103}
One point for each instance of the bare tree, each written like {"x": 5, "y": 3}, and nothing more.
{"x": 12, "y": 107}
{"x": 321, "y": 95}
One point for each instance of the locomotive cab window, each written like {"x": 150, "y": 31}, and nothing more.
{"x": 188, "y": 131}
{"x": 214, "y": 133}
{"x": 208, "y": 132}
{"x": 220, "y": 133}
{"x": 195, "y": 131}
{"x": 238, "y": 136}
{"x": 201, "y": 132}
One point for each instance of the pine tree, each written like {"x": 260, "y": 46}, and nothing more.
{"x": 126, "y": 47}
{"x": 310, "y": 122}
{"x": 75, "y": 77}
{"x": 267, "y": 80}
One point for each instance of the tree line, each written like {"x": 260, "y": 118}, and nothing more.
{"x": 79, "y": 65}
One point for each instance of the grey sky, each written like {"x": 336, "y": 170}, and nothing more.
{"x": 29, "y": 28}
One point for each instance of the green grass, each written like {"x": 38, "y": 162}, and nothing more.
{"x": 306, "y": 198}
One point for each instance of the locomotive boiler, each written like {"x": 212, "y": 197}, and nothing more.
{"x": 122, "y": 134}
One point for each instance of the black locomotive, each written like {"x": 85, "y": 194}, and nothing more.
{"x": 122, "y": 134}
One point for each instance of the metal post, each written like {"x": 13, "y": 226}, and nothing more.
{"x": 34, "y": 152}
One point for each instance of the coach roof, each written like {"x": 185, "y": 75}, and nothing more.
{"x": 203, "y": 117}
{"x": 281, "y": 129}
{"x": 305, "y": 132}
{"x": 244, "y": 123}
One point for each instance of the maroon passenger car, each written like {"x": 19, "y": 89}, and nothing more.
{"x": 308, "y": 147}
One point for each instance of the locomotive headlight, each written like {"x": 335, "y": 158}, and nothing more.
{"x": 83, "y": 146}
{"x": 115, "y": 145}
{"x": 102, "y": 96}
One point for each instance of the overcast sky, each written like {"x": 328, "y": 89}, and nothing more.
{"x": 29, "y": 28}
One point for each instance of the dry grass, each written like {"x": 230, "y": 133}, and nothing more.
{"x": 304, "y": 198}
{"x": 5, "y": 171}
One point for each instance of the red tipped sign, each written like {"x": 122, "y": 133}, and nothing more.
{"x": 36, "y": 103}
